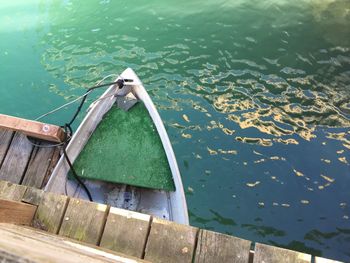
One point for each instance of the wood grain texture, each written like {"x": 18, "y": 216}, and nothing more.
{"x": 14, "y": 212}
{"x": 11, "y": 191}
{"x": 216, "y": 247}
{"x": 31, "y": 245}
{"x": 126, "y": 232}
{"x": 170, "y": 242}
{"x": 54, "y": 160}
{"x": 5, "y": 139}
{"x": 34, "y": 129}
{"x": 265, "y": 253}
{"x": 50, "y": 212}
{"x": 16, "y": 160}
{"x": 33, "y": 196}
{"x": 38, "y": 165}
{"x": 84, "y": 221}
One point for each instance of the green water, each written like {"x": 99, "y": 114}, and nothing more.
{"x": 125, "y": 148}
{"x": 254, "y": 94}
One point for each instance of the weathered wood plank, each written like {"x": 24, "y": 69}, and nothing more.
{"x": 170, "y": 242}
{"x": 84, "y": 221}
{"x": 11, "y": 191}
{"x": 29, "y": 245}
{"x": 34, "y": 129}
{"x": 16, "y": 212}
{"x": 54, "y": 160}
{"x": 216, "y": 247}
{"x": 50, "y": 212}
{"x": 5, "y": 139}
{"x": 126, "y": 232}
{"x": 38, "y": 165}
{"x": 33, "y": 196}
{"x": 325, "y": 260}
{"x": 266, "y": 253}
{"x": 16, "y": 159}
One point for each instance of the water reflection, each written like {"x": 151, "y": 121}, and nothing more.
{"x": 255, "y": 96}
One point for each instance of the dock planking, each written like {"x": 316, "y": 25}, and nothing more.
{"x": 23, "y": 244}
{"x": 84, "y": 221}
{"x": 39, "y": 164}
{"x": 126, "y": 232}
{"x": 50, "y": 211}
{"x": 217, "y": 247}
{"x": 10, "y": 191}
{"x": 137, "y": 234}
{"x": 16, "y": 159}
{"x": 170, "y": 242}
{"x": 266, "y": 253}
{"x": 5, "y": 140}
{"x": 16, "y": 212}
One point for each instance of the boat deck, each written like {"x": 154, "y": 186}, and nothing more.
{"x": 21, "y": 162}
{"x": 133, "y": 234}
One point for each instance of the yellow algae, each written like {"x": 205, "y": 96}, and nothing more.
{"x": 274, "y": 158}
{"x": 228, "y": 131}
{"x": 346, "y": 145}
{"x": 253, "y": 184}
{"x": 185, "y": 117}
{"x": 326, "y": 160}
{"x": 227, "y": 151}
{"x": 261, "y": 204}
{"x": 285, "y": 205}
{"x": 324, "y": 143}
{"x": 190, "y": 189}
{"x": 198, "y": 156}
{"x": 298, "y": 173}
{"x": 259, "y": 161}
{"x": 176, "y": 125}
{"x": 186, "y": 135}
{"x": 258, "y": 141}
{"x": 287, "y": 141}
{"x": 331, "y": 180}
{"x": 257, "y": 153}
{"x": 212, "y": 152}
{"x": 321, "y": 187}
{"x": 340, "y": 151}
{"x": 305, "y": 202}
{"x": 343, "y": 159}
{"x": 273, "y": 177}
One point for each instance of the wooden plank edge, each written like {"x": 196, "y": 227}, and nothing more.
{"x": 31, "y": 128}
{"x": 16, "y": 212}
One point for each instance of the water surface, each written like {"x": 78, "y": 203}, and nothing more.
{"x": 254, "y": 95}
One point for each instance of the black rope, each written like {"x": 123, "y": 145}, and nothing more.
{"x": 120, "y": 83}
{"x": 69, "y": 131}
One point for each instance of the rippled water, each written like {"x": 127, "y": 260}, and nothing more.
{"x": 255, "y": 96}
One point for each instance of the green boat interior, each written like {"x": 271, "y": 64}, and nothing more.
{"x": 126, "y": 149}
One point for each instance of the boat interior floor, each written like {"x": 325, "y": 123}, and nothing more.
{"x": 126, "y": 148}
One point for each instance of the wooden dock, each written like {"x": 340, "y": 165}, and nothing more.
{"x": 118, "y": 232}
{"x": 59, "y": 228}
